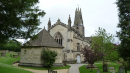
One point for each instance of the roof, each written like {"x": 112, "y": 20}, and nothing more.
{"x": 45, "y": 39}
{"x": 88, "y": 38}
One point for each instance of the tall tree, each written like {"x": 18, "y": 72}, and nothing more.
{"x": 124, "y": 33}
{"x": 19, "y": 19}
{"x": 102, "y": 42}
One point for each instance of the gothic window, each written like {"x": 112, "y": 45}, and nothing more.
{"x": 78, "y": 47}
{"x": 58, "y": 38}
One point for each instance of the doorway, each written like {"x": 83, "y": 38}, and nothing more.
{"x": 78, "y": 59}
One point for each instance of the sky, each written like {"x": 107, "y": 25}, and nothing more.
{"x": 95, "y": 14}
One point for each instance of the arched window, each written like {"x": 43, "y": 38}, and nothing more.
{"x": 58, "y": 38}
{"x": 78, "y": 46}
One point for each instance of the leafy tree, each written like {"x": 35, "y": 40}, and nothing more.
{"x": 125, "y": 64}
{"x": 113, "y": 55}
{"x": 124, "y": 33}
{"x": 91, "y": 56}
{"x": 102, "y": 42}
{"x": 11, "y": 45}
{"x": 48, "y": 57}
{"x": 18, "y": 19}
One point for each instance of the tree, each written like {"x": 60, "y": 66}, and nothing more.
{"x": 124, "y": 33}
{"x": 11, "y": 45}
{"x": 48, "y": 57}
{"x": 113, "y": 55}
{"x": 91, "y": 56}
{"x": 19, "y": 19}
{"x": 102, "y": 42}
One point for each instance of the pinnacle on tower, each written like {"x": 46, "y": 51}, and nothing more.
{"x": 44, "y": 27}
{"x": 49, "y": 24}
{"x": 69, "y": 18}
{"x": 76, "y": 10}
{"x": 69, "y": 23}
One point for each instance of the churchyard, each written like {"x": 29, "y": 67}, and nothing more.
{"x": 112, "y": 67}
{"x": 7, "y": 59}
{"x": 10, "y": 57}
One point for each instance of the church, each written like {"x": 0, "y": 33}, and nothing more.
{"x": 67, "y": 39}
{"x": 71, "y": 37}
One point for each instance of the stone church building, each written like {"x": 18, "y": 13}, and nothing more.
{"x": 68, "y": 39}
{"x": 71, "y": 37}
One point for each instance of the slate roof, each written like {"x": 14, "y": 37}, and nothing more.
{"x": 45, "y": 39}
{"x": 88, "y": 38}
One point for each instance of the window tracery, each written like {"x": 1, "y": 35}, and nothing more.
{"x": 58, "y": 38}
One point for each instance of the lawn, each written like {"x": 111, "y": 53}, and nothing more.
{"x": 53, "y": 68}
{"x": 7, "y": 67}
{"x": 113, "y": 64}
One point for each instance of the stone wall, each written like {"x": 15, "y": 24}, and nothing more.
{"x": 32, "y": 56}
{"x": 63, "y": 31}
{"x": 70, "y": 42}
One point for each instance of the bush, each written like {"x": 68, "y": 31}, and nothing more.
{"x": 48, "y": 57}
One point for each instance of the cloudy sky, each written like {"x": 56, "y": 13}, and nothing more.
{"x": 95, "y": 13}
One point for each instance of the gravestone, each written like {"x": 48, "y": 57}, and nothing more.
{"x": 111, "y": 69}
{"x": 6, "y": 51}
{"x": 121, "y": 69}
{"x": 3, "y": 51}
{"x": 15, "y": 56}
{"x": 18, "y": 53}
{"x": 105, "y": 68}
{"x": 49, "y": 71}
{"x": 10, "y": 52}
{"x": 3, "y": 54}
{"x": 54, "y": 71}
{"x": 98, "y": 71}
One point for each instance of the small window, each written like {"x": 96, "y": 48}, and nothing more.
{"x": 77, "y": 27}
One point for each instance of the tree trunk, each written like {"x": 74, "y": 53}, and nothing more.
{"x": 125, "y": 70}
{"x": 103, "y": 61}
{"x": 91, "y": 67}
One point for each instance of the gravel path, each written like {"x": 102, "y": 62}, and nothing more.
{"x": 74, "y": 68}
{"x": 42, "y": 71}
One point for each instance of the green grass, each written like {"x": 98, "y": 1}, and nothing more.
{"x": 7, "y": 67}
{"x": 113, "y": 64}
{"x": 53, "y": 68}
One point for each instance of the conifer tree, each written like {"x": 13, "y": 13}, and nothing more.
{"x": 124, "y": 33}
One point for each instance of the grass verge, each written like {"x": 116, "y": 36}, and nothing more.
{"x": 53, "y": 68}
{"x": 113, "y": 64}
{"x": 6, "y": 65}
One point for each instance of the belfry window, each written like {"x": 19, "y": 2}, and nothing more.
{"x": 58, "y": 38}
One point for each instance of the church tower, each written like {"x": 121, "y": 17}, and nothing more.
{"x": 78, "y": 22}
